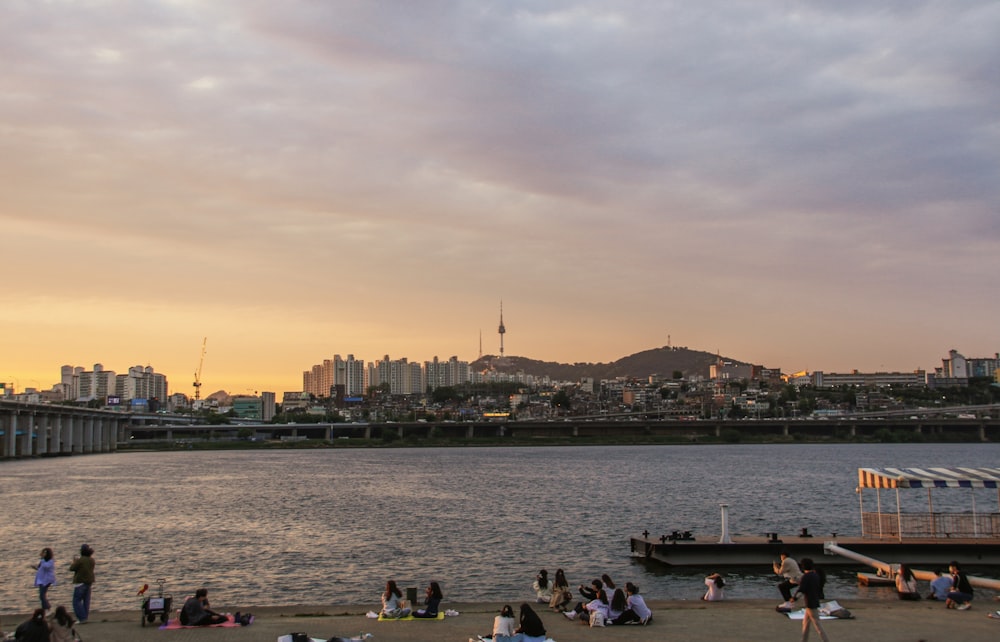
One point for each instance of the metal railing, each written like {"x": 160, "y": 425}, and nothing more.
{"x": 930, "y": 525}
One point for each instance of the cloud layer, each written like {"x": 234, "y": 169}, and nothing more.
{"x": 804, "y": 185}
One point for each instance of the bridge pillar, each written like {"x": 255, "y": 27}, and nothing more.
{"x": 88, "y": 435}
{"x": 66, "y": 434}
{"x": 9, "y": 425}
{"x": 29, "y": 427}
{"x": 368, "y": 431}
{"x": 76, "y": 441}
{"x": 853, "y": 432}
{"x": 982, "y": 432}
{"x": 42, "y": 435}
{"x": 784, "y": 429}
{"x": 55, "y": 426}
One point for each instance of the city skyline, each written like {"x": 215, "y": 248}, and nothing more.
{"x": 802, "y": 186}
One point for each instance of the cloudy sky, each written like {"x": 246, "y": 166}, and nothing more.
{"x": 803, "y": 185}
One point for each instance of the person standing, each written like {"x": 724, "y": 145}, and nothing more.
{"x": 810, "y": 587}
{"x": 45, "y": 576}
{"x": 789, "y": 570}
{"x": 83, "y": 581}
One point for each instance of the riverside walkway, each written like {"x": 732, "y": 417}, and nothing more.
{"x": 752, "y": 620}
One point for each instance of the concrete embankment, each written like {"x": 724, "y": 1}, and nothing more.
{"x": 885, "y": 621}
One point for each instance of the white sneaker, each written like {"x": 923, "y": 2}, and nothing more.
{"x": 964, "y": 607}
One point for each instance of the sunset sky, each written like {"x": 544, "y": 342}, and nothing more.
{"x": 802, "y": 185}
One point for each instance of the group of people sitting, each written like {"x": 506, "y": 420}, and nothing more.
{"x": 953, "y": 589}
{"x": 57, "y": 628}
{"x": 603, "y": 603}
{"x": 395, "y": 607}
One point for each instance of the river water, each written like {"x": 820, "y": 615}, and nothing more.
{"x": 331, "y": 526}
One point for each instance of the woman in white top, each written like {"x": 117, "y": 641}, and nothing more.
{"x": 715, "y": 585}
{"x": 504, "y": 625}
{"x": 637, "y": 610}
{"x": 391, "y": 598}
{"x": 906, "y": 584}
{"x": 598, "y": 605}
{"x": 543, "y": 587}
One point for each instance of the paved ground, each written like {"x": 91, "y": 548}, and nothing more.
{"x": 673, "y": 620}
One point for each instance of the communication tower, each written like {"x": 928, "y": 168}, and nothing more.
{"x": 502, "y": 330}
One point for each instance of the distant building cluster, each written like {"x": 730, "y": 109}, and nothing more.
{"x": 353, "y": 377}
{"x": 141, "y": 388}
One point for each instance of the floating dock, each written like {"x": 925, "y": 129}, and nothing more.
{"x": 755, "y": 551}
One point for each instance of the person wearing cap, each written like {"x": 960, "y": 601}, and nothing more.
{"x": 83, "y": 580}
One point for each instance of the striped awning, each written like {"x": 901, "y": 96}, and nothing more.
{"x": 928, "y": 477}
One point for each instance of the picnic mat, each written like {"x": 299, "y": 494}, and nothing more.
{"x": 176, "y": 624}
{"x": 440, "y": 616}
{"x": 801, "y": 615}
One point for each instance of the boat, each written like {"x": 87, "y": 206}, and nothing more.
{"x": 929, "y": 537}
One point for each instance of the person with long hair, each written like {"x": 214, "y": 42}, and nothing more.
{"x": 637, "y": 611}
{"x": 431, "y": 603}
{"x": 542, "y": 587}
{"x": 392, "y": 602}
{"x": 61, "y": 626}
{"x": 617, "y": 605}
{"x": 906, "y": 584}
{"x": 715, "y": 585}
{"x": 530, "y": 625}
{"x": 561, "y": 595}
{"x": 598, "y": 609}
{"x": 45, "y": 576}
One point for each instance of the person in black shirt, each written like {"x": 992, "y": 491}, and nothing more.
{"x": 810, "y": 586}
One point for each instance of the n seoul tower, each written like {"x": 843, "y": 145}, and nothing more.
{"x": 502, "y": 329}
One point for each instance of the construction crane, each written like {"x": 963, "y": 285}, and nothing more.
{"x": 197, "y": 375}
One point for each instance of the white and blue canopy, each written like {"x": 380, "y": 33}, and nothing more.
{"x": 929, "y": 477}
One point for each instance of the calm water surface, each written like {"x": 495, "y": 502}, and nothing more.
{"x": 330, "y": 526}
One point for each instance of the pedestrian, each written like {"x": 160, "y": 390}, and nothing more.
{"x": 45, "y": 576}
{"x": 83, "y": 581}
{"x": 809, "y": 587}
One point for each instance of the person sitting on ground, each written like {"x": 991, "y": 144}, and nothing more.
{"x": 33, "y": 630}
{"x": 561, "y": 595}
{"x": 195, "y": 611}
{"x": 940, "y": 586}
{"x": 504, "y": 625}
{"x": 530, "y": 626}
{"x": 789, "y": 570}
{"x": 61, "y": 626}
{"x": 597, "y": 611}
{"x": 636, "y": 612}
{"x": 595, "y": 588}
{"x": 715, "y": 585}
{"x": 392, "y": 602}
{"x": 431, "y": 603}
{"x": 960, "y": 595}
{"x": 617, "y": 606}
{"x": 609, "y": 586}
{"x": 906, "y": 584}
{"x": 543, "y": 588}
